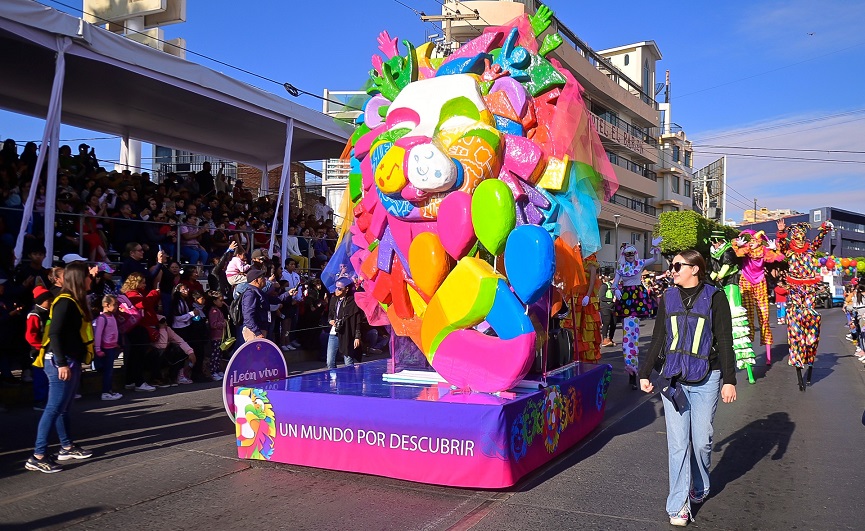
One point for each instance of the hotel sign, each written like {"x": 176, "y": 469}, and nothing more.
{"x": 618, "y": 135}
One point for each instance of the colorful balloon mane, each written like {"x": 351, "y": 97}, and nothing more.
{"x": 490, "y": 148}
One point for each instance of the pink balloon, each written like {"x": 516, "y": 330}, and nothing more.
{"x": 455, "y": 224}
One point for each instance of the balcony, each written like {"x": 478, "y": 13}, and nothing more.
{"x": 631, "y": 166}
{"x": 633, "y": 204}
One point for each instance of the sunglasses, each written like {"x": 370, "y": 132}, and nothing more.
{"x": 630, "y": 254}
{"x": 677, "y": 266}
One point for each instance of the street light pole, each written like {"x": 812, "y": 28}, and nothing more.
{"x": 616, "y": 217}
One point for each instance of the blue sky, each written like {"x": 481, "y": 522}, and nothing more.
{"x": 773, "y": 75}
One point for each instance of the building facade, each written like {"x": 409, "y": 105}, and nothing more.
{"x": 619, "y": 91}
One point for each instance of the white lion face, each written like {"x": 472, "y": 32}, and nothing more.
{"x": 429, "y": 169}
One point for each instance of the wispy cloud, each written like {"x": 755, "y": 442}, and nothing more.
{"x": 791, "y": 27}
{"x": 794, "y": 184}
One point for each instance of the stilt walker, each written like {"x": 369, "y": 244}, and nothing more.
{"x": 587, "y": 315}
{"x": 725, "y": 273}
{"x": 803, "y": 321}
{"x": 633, "y": 302}
{"x": 754, "y": 250}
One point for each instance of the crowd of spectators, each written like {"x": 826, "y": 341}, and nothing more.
{"x": 176, "y": 254}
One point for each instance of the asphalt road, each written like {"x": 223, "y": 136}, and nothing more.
{"x": 782, "y": 460}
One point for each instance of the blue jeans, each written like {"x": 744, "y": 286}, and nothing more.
{"x": 689, "y": 441}
{"x": 332, "y": 349}
{"x": 193, "y": 254}
{"x": 40, "y": 385}
{"x": 105, "y": 365}
{"x": 56, "y": 414}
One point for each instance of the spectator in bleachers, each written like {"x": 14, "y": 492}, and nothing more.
{"x": 133, "y": 262}
{"x": 191, "y": 249}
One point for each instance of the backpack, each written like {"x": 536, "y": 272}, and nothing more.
{"x": 129, "y": 316}
{"x": 235, "y": 311}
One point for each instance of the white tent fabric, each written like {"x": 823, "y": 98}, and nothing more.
{"x": 118, "y": 86}
{"x": 50, "y": 137}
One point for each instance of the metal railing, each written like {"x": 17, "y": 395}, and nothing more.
{"x": 65, "y": 221}
{"x": 632, "y": 166}
{"x": 633, "y": 204}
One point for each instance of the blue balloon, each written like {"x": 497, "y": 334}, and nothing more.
{"x": 530, "y": 262}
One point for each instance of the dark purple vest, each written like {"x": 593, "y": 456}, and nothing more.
{"x": 689, "y": 335}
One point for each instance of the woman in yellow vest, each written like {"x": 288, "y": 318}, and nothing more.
{"x": 66, "y": 346}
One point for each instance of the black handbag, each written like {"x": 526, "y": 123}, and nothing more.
{"x": 672, "y": 390}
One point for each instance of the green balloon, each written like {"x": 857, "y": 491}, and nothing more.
{"x": 494, "y": 214}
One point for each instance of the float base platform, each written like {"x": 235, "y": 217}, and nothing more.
{"x": 350, "y": 419}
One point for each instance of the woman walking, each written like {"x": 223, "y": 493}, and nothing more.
{"x": 692, "y": 346}
{"x": 69, "y": 345}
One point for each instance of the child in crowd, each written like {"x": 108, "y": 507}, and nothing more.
{"x": 781, "y": 301}
{"x": 168, "y": 336}
{"x": 237, "y": 268}
{"x": 34, "y": 331}
{"x": 106, "y": 345}
{"x": 216, "y": 320}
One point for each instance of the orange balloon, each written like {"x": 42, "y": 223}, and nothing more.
{"x": 429, "y": 262}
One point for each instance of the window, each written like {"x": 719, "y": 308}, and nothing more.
{"x": 687, "y": 188}
{"x": 635, "y": 238}
{"x": 676, "y": 153}
{"x": 688, "y": 159}
{"x": 627, "y": 59}
{"x": 607, "y": 237}
{"x": 675, "y": 184}
{"x": 647, "y": 77}
{"x": 816, "y": 216}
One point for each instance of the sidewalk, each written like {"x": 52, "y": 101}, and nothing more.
{"x": 21, "y": 394}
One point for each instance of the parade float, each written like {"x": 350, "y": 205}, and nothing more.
{"x": 476, "y": 181}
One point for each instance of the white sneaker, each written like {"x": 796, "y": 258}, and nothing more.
{"x": 111, "y": 396}
{"x": 287, "y": 348}
{"x": 145, "y": 387}
{"x": 681, "y": 519}
{"x": 216, "y": 377}
{"x": 295, "y": 344}
{"x": 183, "y": 380}
{"x": 77, "y": 396}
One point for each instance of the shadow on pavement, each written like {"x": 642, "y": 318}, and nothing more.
{"x": 135, "y": 428}
{"x": 748, "y": 446}
{"x": 57, "y": 519}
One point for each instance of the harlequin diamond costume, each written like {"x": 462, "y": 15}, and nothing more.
{"x": 725, "y": 274}
{"x": 803, "y": 321}
{"x": 633, "y": 301}
{"x": 755, "y": 251}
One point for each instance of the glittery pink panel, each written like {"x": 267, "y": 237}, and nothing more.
{"x": 575, "y": 135}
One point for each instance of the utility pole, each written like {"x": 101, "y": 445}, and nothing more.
{"x": 616, "y": 217}
{"x": 755, "y": 210}
{"x": 456, "y": 16}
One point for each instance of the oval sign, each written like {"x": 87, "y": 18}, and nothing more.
{"x": 256, "y": 361}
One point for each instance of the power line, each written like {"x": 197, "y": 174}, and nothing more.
{"x": 291, "y": 89}
{"x": 770, "y": 71}
{"x": 782, "y": 125}
{"x": 797, "y": 150}
{"x": 779, "y": 157}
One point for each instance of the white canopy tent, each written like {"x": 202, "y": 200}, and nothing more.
{"x": 114, "y": 85}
